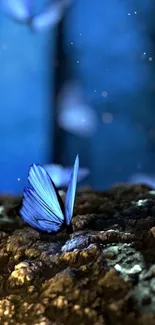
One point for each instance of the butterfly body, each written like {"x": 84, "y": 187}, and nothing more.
{"x": 42, "y": 206}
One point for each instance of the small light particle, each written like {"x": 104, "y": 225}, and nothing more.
{"x": 135, "y": 12}
{"x": 94, "y": 90}
{"x": 104, "y": 94}
{"x": 150, "y": 58}
{"x": 129, "y": 14}
{"x": 18, "y": 179}
{"x": 143, "y": 56}
{"x": 71, "y": 43}
{"x": 78, "y": 61}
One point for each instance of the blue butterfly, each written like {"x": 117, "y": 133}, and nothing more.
{"x": 22, "y": 12}
{"x": 42, "y": 207}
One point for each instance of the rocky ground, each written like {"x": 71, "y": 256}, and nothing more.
{"x": 102, "y": 274}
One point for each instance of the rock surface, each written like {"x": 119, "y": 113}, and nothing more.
{"x": 102, "y": 274}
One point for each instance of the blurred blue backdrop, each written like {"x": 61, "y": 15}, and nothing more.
{"x": 26, "y": 101}
{"x": 107, "y": 48}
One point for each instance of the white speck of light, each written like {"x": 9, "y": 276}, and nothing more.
{"x": 143, "y": 56}
{"x": 71, "y": 43}
{"x": 135, "y": 12}
{"x": 80, "y": 34}
{"x": 78, "y": 61}
{"x": 18, "y": 179}
{"x": 94, "y": 90}
{"x": 150, "y": 58}
{"x": 129, "y": 14}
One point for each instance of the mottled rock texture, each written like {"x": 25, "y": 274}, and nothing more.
{"x": 102, "y": 274}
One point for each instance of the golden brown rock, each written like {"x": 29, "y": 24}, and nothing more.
{"x": 102, "y": 274}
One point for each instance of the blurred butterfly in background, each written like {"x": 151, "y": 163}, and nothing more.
{"x": 22, "y": 12}
{"x": 75, "y": 115}
{"x": 146, "y": 179}
{"x": 61, "y": 175}
{"x": 42, "y": 206}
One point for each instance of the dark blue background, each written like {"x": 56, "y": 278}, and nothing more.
{"x": 113, "y": 42}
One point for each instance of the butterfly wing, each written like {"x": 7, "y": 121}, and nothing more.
{"x": 35, "y": 215}
{"x": 50, "y": 17}
{"x": 70, "y": 195}
{"x": 41, "y": 207}
{"x": 17, "y": 9}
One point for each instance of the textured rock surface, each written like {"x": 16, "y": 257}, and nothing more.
{"x": 102, "y": 274}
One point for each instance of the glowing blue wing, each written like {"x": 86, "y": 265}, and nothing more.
{"x": 35, "y": 214}
{"x": 41, "y": 208}
{"x": 50, "y": 17}
{"x": 17, "y": 9}
{"x": 70, "y": 195}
